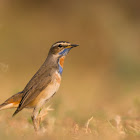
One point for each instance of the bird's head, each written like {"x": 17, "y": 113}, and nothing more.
{"x": 61, "y": 48}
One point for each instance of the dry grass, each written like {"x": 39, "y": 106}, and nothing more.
{"x": 117, "y": 127}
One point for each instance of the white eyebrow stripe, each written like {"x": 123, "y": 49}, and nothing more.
{"x": 62, "y": 43}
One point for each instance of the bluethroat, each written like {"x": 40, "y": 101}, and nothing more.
{"x": 43, "y": 85}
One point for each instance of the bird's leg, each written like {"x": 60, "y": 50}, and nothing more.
{"x": 36, "y": 120}
{"x": 35, "y": 123}
{"x": 38, "y": 115}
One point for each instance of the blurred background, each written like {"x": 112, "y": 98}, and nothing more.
{"x": 101, "y": 77}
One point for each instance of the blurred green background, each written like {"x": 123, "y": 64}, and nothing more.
{"x": 101, "y": 77}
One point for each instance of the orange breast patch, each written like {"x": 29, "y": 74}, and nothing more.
{"x": 61, "y": 61}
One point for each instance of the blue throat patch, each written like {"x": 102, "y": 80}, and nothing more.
{"x": 65, "y": 51}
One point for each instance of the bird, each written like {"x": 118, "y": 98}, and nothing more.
{"x": 43, "y": 85}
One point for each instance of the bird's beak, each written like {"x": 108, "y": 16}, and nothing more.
{"x": 74, "y": 45}
{"x": 71, "y": 46}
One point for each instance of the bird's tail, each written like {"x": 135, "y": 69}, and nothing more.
{"x": 1, "y": 106}
{"x": 11, "y": 102}
{"x": 7, "y": 105}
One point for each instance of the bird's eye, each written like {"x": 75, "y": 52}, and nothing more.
{"x": 60, "y": 46}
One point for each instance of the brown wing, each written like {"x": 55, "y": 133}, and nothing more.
{"x": 37, "y": 84}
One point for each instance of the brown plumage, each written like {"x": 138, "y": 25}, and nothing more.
{"x": 35, "y": 86}
{"x": 43, "y": 85}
